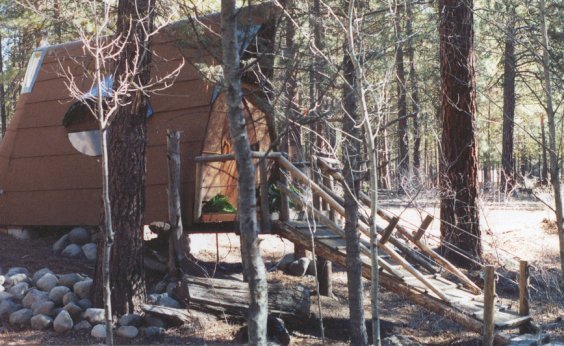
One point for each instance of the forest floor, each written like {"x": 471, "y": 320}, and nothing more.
{"x": 512, "y": 231}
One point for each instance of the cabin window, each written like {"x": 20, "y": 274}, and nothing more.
{"x": 82, "y": 128}
{"x": 32, "y": 71}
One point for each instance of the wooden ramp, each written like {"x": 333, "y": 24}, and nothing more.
{"x": 408, "y": 266}
{"x": 461, "y": 305}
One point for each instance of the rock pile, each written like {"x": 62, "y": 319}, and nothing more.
{"x": 78, "y": 243}
{"x": 44, "y": 300}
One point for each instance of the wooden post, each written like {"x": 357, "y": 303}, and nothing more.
{"x": 265, "y": 222}
{"x": 489, "y": 296}
{"x": 524, "y": 293}
{"x": 325, "y": 275}
{"x": 284, "y": 202}
{"x": 175, "y": 251}
{"x": 198, "y": 191}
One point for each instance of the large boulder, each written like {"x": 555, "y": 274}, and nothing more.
{"x": 82, "y": 325}
{"x": 153, "y": 332}
{"x": 7, "y": 307}
{"x": 74, "y": 310}
{"x": 130, "y": 320}
{"x": 39, "y": 274}
{"x": 79, "y": 235}
{"x": 17, "y": 270}
{"x": 70, "y": 297}
{"x": 43, "y": 308}
{"x": 19, "y": 290}
{"x": 72, "y": 251}
{"x": 61, "y": 244}
{"x": 299, "y": 267}
{"x": 90, "y": 251}
{"x": 21, "y": 318}
{"x": 85, "y": 303}
{"x": 47, "y": 282}
{"x": 82, "y": 288}
{"x": 5, "y": 295}
{"x": 163, "y": 299}
{"x": 34, "y": 296}
{"x": 128, "y": 332}
{"x": 63, "y": 322}
{"x": 16, "y": 279}
{"x": 57, "y": 293}
{"x": 94, "y": 315}
{"x": 99, "y": 331}
{"x": 41, "y": 322}
{"x": 70, "y": 279}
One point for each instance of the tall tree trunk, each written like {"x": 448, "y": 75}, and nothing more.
{"x": 3, "y": 116}
{"x": 507, "y": 164}
{"x": 459, "y": 212}
{"x": 250, "y": 251}
{"x": 544, "y": 171}
{"x": 403, "y": 139}
{"x": 127, "y": 139}
{"x": 414, "y": 90}
{"x": 353, "y": 158}
{"x": 554, "y": 164}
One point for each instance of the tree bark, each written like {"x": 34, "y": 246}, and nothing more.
{"x": 250, "y": 251}
{"x": 544, "y": 171}
{"x": 352, "y": 159}
{"x": 403, "y": 139}
{"x": 459, "y": 212}
{"x": 3, "y": 116}
{"x": 127, "y": 140}
{"x": 507, "y": 162}
{"x": 414, "y": 91}
{"x": 553, "y": 151}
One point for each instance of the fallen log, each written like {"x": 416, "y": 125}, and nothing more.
{"x": 230, "y": 297}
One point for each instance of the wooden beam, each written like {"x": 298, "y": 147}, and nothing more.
{"x": 388, "y": 230}
{"x": 231, "y": 157}
{"x": 198, "y": 192}
{"x": 489, "y": 304}
{"x": 424, "y": 225}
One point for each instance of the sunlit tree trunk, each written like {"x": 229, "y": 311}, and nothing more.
{"x": 250, "y": 251}
{"x": 507, "y": 163}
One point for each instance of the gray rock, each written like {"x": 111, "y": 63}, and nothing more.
{"x": 94, "y": 315}
{"x": 21, "y": 318}
{"x": 89, "y": 251}
{"x": 152, "y": 321}
{"x": 127, "y": 332}
{"x": 72, "y": 251}
{"x": 63, "y": 322}
{"x": 130, "y": 320}
{"x": 47, "y": 282}
{"x": 299, "y": 267}
{"x": 19, "y": 290}
{"x": 285, "y": 261}
{"x": 99, "y": 331}
{"x": 85, "y": 303}
{"x": 2, "y": 288}
{"x": 41, "y": 322}
{"x": 79, "y": 235}
{"x": 34, "y": 296}
{"x": 82, "y": 288}
{"x": 152, "y": 332}
{"x": 82, "y": 325}
{"x": 160, "y": 287}
{"x": 70, "y": 279}
{"x": 70, "y": 297}
{"x": 5, "y": 295}
{"x": 57, "y": 311}
{"x": 154, "y": 298}
{"x": 73, "y": 310}
{"x": 43, "y": 308}
{"x": 169, "y": 302}
{"x": 16, "y": 279}
{"x": 17, "y": 270}
{"x": 530, "y": 340}
{"x": 60, "y": 244}
{"x": 7, "y": 307}
{"x": 39, "y": 274}
{"x": 2, "y": 280}
{"x": 170, "y": 288}
{"x": 57, "y": 293}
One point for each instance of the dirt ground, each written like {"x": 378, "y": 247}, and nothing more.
{"x": 511, "y": 232}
